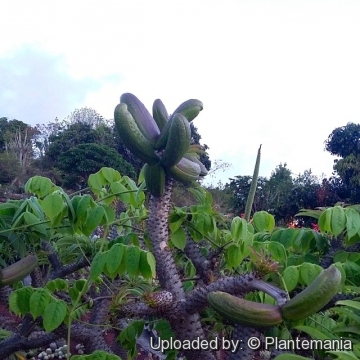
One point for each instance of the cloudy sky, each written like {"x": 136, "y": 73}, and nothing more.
{"x": 283, "y": 74}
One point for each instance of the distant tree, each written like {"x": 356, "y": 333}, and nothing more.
{"x": 80, "y": 145}
{"x": 45, "y": 131}
{"x": 18, "y": 138}
{"x": 239, "y": 188}
{"x": 330, "y": 192}
{"x": 88, "y": 116}
{"x": 278, "y": 190}
{"x": 72, "y": 135}
{"x": 80, "y": 161}
{"x": 8, "y": 128}
{"x": 83, "y": 125}
{"x": 303, "y": 195}
{"x": 345, "y": 142}
{"x": 9, "y": 168}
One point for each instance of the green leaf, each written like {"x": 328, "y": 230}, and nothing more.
{"x": 96, "y": 181}
{"x": 35, "y": 207}
{"x": 277, "y": 251}
{"x": 141, "y": 178}
{"x": 109, "y": 214}
{"x": 93, "y": 219}
{"x": 82, "y": 285}
{"x": 114, "y": 257}
{"x": 324, "y": 221}
{"x": 175, "y": 225}
{"x": 132, "y": 186}
{"x": 351, "y": 303}
{"x": 352, "y": 222}
{"x": 71, "y": 211}
{"x": 31, "y": 219}
{"x": 303, "y": 241}
{"x": 314, "y": 333}
{"x": 57, "y": 285}
{"x": 74, "y": 294}
{"x": 284, "y": 236}
{"x": 338, "y": 220}
{"x": 54, "y": 315}
{"x": 239, "y": 230}
{"x": 121, "y": 190}
{"x": 39, "y": 185}
{"x": 19, "y": 300}
{"x": 164, "y": 329}
{"x": 38, "y": 302}
{"x": 309, "y": 212}
{"x": 132, "y": 259}
{"x": 152, "y": 263}
{"x": 203, "y": 222}
{"x": 97, "y": 265}
{"x": 132, "y": 238}
{"x": 348, "y": 313}
{"x": 82, "y": 207}
{"x": 146, "y": 270}
{"x": 263, "y": 221}
{"x": 309, "y": 272}
{"x": 344, "y": 355}
{"x": 178, "y": 238}
{"x": 233, "y": 256}
{"x": 291, "y": 277}
{"x": 52, "y": 205}
{"x": 347, "y": 329}
{"x": 111, "y": 175}
{"x": 129, "y": 335}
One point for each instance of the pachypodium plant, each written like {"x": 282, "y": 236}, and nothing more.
{"x": 172, "y": 269}
{"x": 163, "y": 143}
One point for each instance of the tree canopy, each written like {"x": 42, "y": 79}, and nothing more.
{"x": 80, "y": 161}
{"x": 345, "y": 142}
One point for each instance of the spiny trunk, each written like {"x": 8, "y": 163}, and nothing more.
{"x": 185, "y": 326}
{"x": 158, "y": 226}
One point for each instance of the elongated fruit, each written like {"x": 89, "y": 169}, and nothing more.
{"x": 178, "y": 141}
{"x": 245, "y": 312}
{"x": 314, "y": 297}
{"x": 132, "y": 137}
{"x": 17, "y": 271}
{"x": 185, "y": 170}
{"x": 190, "y": 109}
{"x": 194, "y": 158}
{"x": 142, "y": 117}
{"x": 155, "y": 179}
{"x": 160, "y": 114}
{"x": 161, "y": 142}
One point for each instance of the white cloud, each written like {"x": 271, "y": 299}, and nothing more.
{"x": 283, "y": 73}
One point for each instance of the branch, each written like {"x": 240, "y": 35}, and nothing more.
{"x": 196, "y": 300}
{"x": 201, "y": 264}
